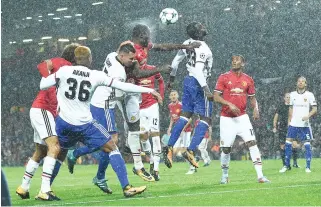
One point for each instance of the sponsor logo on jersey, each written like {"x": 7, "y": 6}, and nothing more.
{"x": 237, "y": 90}
{"x": 145, "y": 82}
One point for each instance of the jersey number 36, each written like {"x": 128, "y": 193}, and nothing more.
{"x": 83, "y": 94}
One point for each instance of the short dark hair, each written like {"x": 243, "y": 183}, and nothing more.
{"x": 140, "y": 29}
{"x": 127, "y": 48}
{"x": 192, "y": 30}
{"x": 69, "y": 52}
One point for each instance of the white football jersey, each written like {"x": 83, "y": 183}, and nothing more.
{"x": 76, "y": 85}
{"x": 301, "y": 107}
{"x": 202, "y": 54}
{"x": 113, "y": 68}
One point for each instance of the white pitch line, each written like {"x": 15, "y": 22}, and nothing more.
{"x": 181, "y": 195}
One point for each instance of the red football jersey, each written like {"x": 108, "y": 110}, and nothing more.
{"x": 206, "y": 135}
{"x": 47, "y": 99}
{"x": 147, "y": 98}
{"x": 235, "y": 89}
{"x": 175, "y": 110}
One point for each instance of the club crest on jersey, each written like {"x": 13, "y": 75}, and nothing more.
{"x": 202, "y": 56}
{"x": 178, "y": 110}
{"x": 237, "y": 90}
{"x": 222, "y": 142}
{"x": 305, "y": 100}
{"x": 244, "y": 83}
{"x": 145, "y": 82}
{"x": 229, "y": 83}
{"x": 132, "y": 118}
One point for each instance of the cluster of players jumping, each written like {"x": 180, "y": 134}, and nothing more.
{"x": 77, "y": 104}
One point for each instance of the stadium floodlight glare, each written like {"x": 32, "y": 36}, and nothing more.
{"x": 10, "y": 42}
{"x": 14, "y": 42}
{"x": 97, "y": 3}
{"x": 46, "y": 38}
{"x": 41, "y": 43}
{"x": 51, "y": 14}
{"x": 63, "y": 40}
{"x": 56, "y": 18}
{"x": 78, "y": 15}
{"x": 96, "y": 39}
{"x": 28, "y": 17}
{"x": 277, "y": 1}
{"x": 82, "y": 38}
{"x": 39, "y": 20}
{"x": 62, "y": 9}
{"x": 67, "y": 17}
{"x": 40, "y": 16}
{"x": 27, "y": 40}
{"x": 227, "y": 9}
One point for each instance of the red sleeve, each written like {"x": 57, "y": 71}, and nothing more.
{"x": 43, "y": 68}
{"x": 161, "y": 84}
{"x": 251, "y": 88}
{"x": 220, "y": 84}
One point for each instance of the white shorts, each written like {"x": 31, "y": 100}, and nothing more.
{"x": 203, "y": 144}
{"x": 184, "y": 140}
{"x": 43, "y": 124}
{"x": 131, "y": 107}
{"x": 232, "y": 126}
{"x": 149, "y": 118}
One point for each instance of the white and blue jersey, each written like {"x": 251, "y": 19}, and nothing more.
{"x": 199, "y": 64}
{"x": 301, "y": 104}
{"x": 104, "y": 99}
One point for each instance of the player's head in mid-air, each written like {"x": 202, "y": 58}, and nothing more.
{"x": 126, "y": 54}
{"x": 238, "y": 63}
{"x": 196, "y": 31}
{"x": 83, "y": 56}
{"x": 69, "y": 52}
{"x": 173, "y": 96}
{"x": 141, "y": 35}
{"x": 301, "y": 84}
{"x": 287, "y": 98}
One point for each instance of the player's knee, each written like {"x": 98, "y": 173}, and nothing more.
{"x": 251, "y": 143}
{"x": 143, "y": 136}
{"x": 109, "y": 146}
{"x": 114, "y": 137}
{"x": 208, "y": 120}
{"x": 134, "y": 126}
{"x": 226, "y": 150}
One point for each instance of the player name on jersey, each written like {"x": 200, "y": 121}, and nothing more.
{"x": 81, "y": 73}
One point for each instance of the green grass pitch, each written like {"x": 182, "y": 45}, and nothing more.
{"x": 293, "y": 188}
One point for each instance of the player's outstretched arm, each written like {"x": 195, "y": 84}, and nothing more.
{"x": 46, "y": 83}
{"x": 171, "y": 46}
{"x": 141, "y": 73}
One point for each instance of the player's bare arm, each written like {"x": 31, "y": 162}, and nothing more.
{"x": 290, "y": 115}
{"x": 141, "y": 73}
{"x": 218, "y": 99}
{"x": 312, "y": 113}
{"x": 170, "y": 126}
{"x": 208, "y": 93}
{"x": 275, "y": 121}
{"x": 171, "y": 46}
{"x": 158, "y": 97}
{"x": 255, "y": 106}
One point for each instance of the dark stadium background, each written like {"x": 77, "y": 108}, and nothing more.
{"x": 279, "y": 40}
